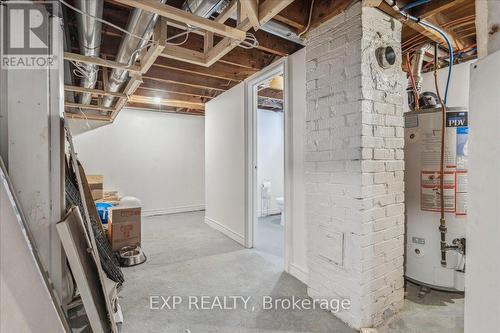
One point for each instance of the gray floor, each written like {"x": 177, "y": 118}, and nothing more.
{"x": 269, "y": 238}
{"x": 440, "y": 312}
{"x": 186, "y": 257}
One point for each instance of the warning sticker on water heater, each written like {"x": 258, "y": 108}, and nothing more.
{"x": 430, "y": 198}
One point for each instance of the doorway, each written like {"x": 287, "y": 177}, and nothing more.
{"x": 267, "y": 219}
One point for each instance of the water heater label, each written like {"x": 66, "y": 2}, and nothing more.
{"x": 418, "y": 240}
{"x": 430, "y": 198}
{"x": 456, "y": 119}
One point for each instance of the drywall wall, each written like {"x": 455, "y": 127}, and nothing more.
{"x": 270, "y": 153}
{"x": 297, "y": 111}
{"x": 482, "y": 290}
{"x": 25, "y": 302}
{"x": 156, "y": 157}
{"x": 225, "y": 162}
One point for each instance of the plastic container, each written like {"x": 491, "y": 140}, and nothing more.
{"x": 102, "y": 209}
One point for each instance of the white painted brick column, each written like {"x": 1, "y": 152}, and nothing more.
{"x": 354, "y": 165}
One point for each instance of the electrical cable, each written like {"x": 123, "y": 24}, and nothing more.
{"x": 102, "y": 21}
{"x": 415, "y": 4}
{"x": 308, "y": 21}
{"x": 124, "y": 30}
{"x": 445, "y": 37}
{"x": 253, "y": 43}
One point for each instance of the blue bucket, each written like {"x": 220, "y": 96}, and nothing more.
{"x": 102, "y": 209}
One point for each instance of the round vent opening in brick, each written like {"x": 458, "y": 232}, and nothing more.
{"x": 386, "y": 56}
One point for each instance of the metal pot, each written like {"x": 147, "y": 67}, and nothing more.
{"x": 131, "y": 256}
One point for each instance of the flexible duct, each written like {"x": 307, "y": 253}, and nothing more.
{"x": 140, "y": 23}
{"x": 89, "y": 33}
{"x": 417, "y": 65}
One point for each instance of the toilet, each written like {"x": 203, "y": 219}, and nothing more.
{"x": 280, "y": 202}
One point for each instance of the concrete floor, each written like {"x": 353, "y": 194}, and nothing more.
{"x": 439, "y": 312}
{"x": 269, "y": 238}
{"x": 188, "y": 258}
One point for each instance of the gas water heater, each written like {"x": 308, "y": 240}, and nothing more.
{"x": 424, "y": 264}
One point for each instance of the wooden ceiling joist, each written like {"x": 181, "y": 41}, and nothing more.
{"x": 183, "y": 16}
{"x": 434, "y": 7}
{"x": 164, "y": 109}
{"x": 87, "y": 106}
{"x": 100, "y": 62}
{"x": 427, "y": 32}
{"x": 161, "y": 74}
{"x": 93, "y": 91}
{"x": 166, "y": 102}
{"x": 218, "y": 71}
{"x": 174, "y": 87}
{"x": 170, "y": 95}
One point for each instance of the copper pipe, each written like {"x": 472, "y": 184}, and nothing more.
{"x": 442, "y": 221}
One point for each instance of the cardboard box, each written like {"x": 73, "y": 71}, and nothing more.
{"x": 124, "y": 227}
{"x": 96, "y": 186}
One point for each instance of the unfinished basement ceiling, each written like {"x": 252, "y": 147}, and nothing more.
{"x": 172, "y": 85}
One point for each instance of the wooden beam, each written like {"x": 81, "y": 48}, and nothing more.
{"x": 208, "y": 41}
{"x": 93, "y": 91}
{"x": 133, "y": 83}
{"x": 159, "y": 43}
{"x": 270, "y": 8}
{"x": 217, "y": 70}
{"x": 283, "y": 19}
{"x": 169, "y": 95}
{"x": 100, "y": 62}
{"x": 87, "y": 106}
{"x": 439, "y": 20}
{"x": 160, "y": 87}
{"x": 160, "y": 108}
{"x": 169, "y": 76}
{"x": 225, "y": 45}
{"x": 435, "y": 7}
{"x": 324, "y": 10}
{"x": 166, "y": 102}
{"x": 84, "y": 116}
{"x": 184, "y": 54}
{"x": 180, "y": 15}
{"x": 271, "y": 93}
{"x": 251, "y": 8}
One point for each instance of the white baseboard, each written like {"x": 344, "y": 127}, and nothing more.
{"x": 225, "y": 230}
{"x": 172, "y": 210}
{"x": 299, "y": 272}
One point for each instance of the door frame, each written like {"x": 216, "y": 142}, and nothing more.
{"x": 251, "y": 192}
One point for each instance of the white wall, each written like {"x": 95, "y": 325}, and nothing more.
{"x": 25, "y": 301}
{"x": 225, "y": 162}
{"x": 297, "y": 112}
{"x": 482, "y": 290}
{"x": 156, "y": 157}
{"x": 458, "y": 94}
{"x": 270, "y": 150}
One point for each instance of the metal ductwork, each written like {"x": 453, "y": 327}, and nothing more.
{"x": 206, "y": 8}
{"x": 282, "y": 30}
{"x": 140, "y": 23}
{"x": 89, "y": 33}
